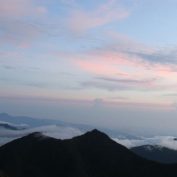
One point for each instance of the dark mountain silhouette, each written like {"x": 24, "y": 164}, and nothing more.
{"x": 156, "y": 153}
{"x": 93, "y": 154}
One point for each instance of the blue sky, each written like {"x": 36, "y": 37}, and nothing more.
{"x": 62, "y": 58}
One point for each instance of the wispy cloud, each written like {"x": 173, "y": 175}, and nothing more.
{"x": 19, "y": 8}
{"x": 164, "y": 55}
{"x": 100, "y": 58}
{"x": 81, "y": 20}
{"x": 19, "y": 33}
{"x": 15, "y": 18}
{"x": 136, "y": 82}
{"x": 121, "y": 66}
{"x": 15, "y": 8}
{"x": 121, "y": 43}
{"x": 119, "y": 84}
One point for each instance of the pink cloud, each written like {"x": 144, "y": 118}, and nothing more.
{"x": 121, "y": 66}
{"x": 14, "y": 8}
{"x": 99, "y": 67}
{"x": 108, "y": 63}
{"x": 41, "y": 10}
{"x": 166, "y": 70}
{"x": 19, "y": 33}
{"x": 20, "y": 8}
{"x": 15, "y": 29}
{"x": 81, "y": 21}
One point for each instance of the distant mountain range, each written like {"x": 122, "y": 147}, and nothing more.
{"x": 156, "y": 153}
{"x": 17, "y": 126}
{"x": 10, "y": 126}
{"x": 30, "y": 121}
{"x": 93, "y": 154}
{"x": 13, "y": 127}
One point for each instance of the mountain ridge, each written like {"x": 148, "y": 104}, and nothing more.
{"x": 156, "y": 153}
{"x": 93, "y": 154}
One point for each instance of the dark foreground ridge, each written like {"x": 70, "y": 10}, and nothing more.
{"x": 93, "y": 154}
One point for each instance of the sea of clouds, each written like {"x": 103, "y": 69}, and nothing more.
{"x": 67, "y": 132}
{"x": 164, "y": 141}
{"x": 55, "y": 131}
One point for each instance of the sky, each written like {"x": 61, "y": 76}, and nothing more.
{"x": 106, "y": 62}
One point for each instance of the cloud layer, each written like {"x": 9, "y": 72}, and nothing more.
{"x": 67, "y": 132}
{"x": 164, "y": 141}
{"x": 83, "y": 20}
{"x": 55, "y": 131}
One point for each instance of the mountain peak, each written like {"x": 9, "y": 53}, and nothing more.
{"x": 91, "y": 154}
{"x": 36, "y": 135}
{"x": 96, "y": 134}
{"x": 95, "y": 131}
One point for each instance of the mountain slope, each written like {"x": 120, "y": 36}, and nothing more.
{"x": 156, "y": 153}
{"x": 93, "y": 154}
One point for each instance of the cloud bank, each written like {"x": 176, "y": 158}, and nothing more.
{"x": 164, "y": 141}
{"x": 55, "y": 131}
